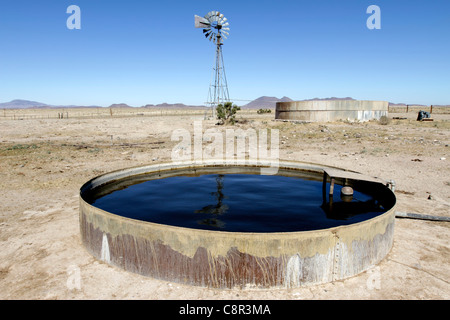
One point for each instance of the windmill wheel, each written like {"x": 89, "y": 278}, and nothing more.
{"x": 215, "y": 26}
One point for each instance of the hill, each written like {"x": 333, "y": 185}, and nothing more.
{"x": 327, "y": 99}
{"x": 28, "y": 104}
{"x": 170, "y": 105}
{"x": 22, "y": 104}
{"x": 119, "y": 105}
{"x": 264, "y": 102}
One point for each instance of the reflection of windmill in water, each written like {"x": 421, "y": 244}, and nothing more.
{"x": 215, "y": 28}
{"x": 215, "y": 209}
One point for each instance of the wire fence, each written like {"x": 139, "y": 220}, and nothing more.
{"x": 417, "y": 108}
{"x": 101, "y": 113}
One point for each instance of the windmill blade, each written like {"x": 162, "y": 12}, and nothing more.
{"x": 221, "y": 15}
{"x": 226, "y": 33}
{"x": 225, "y": 24}
{"x": 212, "y": 18}
{"x": 201, "y": 22}
{"x": 208, "y": 16}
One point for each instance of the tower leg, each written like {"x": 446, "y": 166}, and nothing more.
{"x": 218, "y": 92}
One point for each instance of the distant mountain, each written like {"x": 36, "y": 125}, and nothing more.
{"x": 119, "y": 105}
{"x": 401, "y": 104}
{"x": 327, "y": 99}
{"x": 27, "y": 104}
{"x": 170, "y": 105}
{"x": 265, "y": 102}
{"x": 22, "y": 104}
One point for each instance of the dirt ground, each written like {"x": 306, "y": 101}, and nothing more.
{"x": 44, "y": 162}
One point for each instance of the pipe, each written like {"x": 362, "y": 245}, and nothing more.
{"x": 420, "y": 216}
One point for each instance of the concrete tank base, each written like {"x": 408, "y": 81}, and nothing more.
{"x": 234, "y": 259}
{"x": 331, "y": 110}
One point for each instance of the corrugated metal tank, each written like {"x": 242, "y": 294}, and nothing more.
{"x": 331, "y": 110}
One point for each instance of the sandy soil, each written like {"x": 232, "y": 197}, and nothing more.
{"x": 45, "y": 161}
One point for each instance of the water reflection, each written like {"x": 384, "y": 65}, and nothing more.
{"x": 246, "y": 202}
{"x": 348, "y": 208}
{"x": 216, "y": 209}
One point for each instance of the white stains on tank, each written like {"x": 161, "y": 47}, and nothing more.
{"x": 293, "y": 272}
{"x": 104, "y": 255}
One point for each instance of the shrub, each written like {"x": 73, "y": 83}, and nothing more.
{"x": 226, "y": 113}
{"x": 384, "y": 120}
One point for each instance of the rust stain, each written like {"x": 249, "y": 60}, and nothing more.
{"x": 235, "y": 269}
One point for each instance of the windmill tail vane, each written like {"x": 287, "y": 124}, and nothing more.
{"x": 216, "y": 29}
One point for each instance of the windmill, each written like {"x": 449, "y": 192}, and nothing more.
{"x": 215, "y": 28}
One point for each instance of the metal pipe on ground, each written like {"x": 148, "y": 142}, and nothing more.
{"x": 420, "y": 216}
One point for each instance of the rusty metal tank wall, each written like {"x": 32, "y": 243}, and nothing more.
{"x": 331, "y": 110}
{"x": 233, "y": 259}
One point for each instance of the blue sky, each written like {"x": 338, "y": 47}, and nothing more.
{"x": 140, "y": 52}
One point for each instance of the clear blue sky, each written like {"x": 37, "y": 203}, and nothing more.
{"x": 140, "y": 52}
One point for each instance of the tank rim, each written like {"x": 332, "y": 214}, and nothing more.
{"x": 190, "y": 164}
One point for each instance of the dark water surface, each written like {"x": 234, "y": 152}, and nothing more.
{"x": 237, "y": 203}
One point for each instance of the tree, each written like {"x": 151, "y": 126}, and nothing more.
{"x": 226, "y": 112}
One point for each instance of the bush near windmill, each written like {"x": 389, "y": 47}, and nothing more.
{"x": 226, "y": 113}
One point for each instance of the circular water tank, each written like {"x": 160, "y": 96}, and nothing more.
{"x": 226, "y": 259}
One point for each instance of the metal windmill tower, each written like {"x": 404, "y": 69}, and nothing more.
{"x": 215, "y": 28}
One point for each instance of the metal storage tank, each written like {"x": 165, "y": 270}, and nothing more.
{"x": 331, "y": 110}
{"x": 237, "y": 259}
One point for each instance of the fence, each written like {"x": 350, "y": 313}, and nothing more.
{"x": 101, "y": 113}
{"x": 416, "y": 109}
